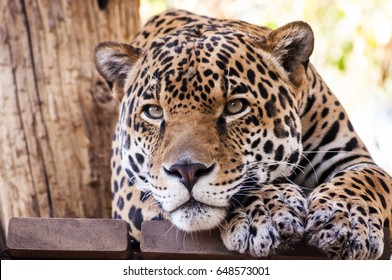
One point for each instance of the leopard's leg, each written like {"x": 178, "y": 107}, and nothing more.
{"x": 134, "y": 206}
{"x": 347, "y": 213}
{"x": 265, "y": 220}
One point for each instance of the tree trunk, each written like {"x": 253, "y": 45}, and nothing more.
{"x": 56, "y": 116}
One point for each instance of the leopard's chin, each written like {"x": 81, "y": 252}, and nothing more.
{"x": 196, "y": 216}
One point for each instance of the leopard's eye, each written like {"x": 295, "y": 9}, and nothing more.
{"x": 236, "y": 106}
{"x": 154, "y": 112}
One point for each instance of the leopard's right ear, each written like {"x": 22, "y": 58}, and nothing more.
{"x": 114, "y": 61}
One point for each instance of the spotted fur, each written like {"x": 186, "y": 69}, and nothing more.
{"x": 227, "y": 124}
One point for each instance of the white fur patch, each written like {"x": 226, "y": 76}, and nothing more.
{"x": 197, "y": 218}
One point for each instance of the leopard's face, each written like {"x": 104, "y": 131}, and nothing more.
{"x": 205, "y": 116}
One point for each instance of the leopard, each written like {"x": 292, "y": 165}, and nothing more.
{"x": 227, "y": 125}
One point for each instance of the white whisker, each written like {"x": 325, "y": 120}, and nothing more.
{"x": 168, "y": 231}
{"x": 325, "y": 151}
{"x": 311, "y": 165}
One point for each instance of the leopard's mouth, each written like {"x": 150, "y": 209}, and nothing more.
{"x": 191, "y": 203}
{"x": 194, "y": 215}
{"x": 194, "y": 204}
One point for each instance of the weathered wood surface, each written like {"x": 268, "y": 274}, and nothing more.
{"x": 68, "y": 238}
{"x": 108, "y": 239}
{"x": 56, "y": 115}
{"x": 160, "y": 240}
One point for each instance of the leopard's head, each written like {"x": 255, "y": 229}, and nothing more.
{"x": 207, "y": 113}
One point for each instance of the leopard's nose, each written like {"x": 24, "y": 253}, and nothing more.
{"x": 189, "y": 173}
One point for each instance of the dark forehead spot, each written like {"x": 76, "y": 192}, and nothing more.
{"x": 239, "y": 66}
{"x": 241, "y": 88}
{"x": 251, "y": 76}
{"x": 207, "y": 72}
{"x": 250, "y": 57}
{"x": 229, "y": 48}
{"x": 273, "y": 75}
{"x": 260, "y": 68}
{"x": 233, "y": 72}
{"x": 221, "y": 65}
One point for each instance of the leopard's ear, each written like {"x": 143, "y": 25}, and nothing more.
{"x": 292, "y": 45}
{"x": 114, "y": 61}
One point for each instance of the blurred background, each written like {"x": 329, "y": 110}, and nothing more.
{"x": 353, "y": 52}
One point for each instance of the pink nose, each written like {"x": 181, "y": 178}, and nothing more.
{"x": 189, "y": 173}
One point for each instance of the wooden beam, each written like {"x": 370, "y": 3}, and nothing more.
{"x": 62, "y": 238}
{"x": 160, "y": 240}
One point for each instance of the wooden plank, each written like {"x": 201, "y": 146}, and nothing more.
{"x": 160, "y": 240}
{"x": 62, "y": 238}
{"x": 387, "y": 253}
{"x": 108, "y": 239}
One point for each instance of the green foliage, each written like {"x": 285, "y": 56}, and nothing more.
{"x": 340, "y": 62}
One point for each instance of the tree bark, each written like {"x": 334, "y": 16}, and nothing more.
{"x": 56, "y": 116}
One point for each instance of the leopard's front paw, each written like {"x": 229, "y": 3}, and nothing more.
{"x": 344, "y": 226}
{"x": 267, "y": 220}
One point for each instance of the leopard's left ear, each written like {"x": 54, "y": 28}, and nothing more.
{"x": 292, "y": 45}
